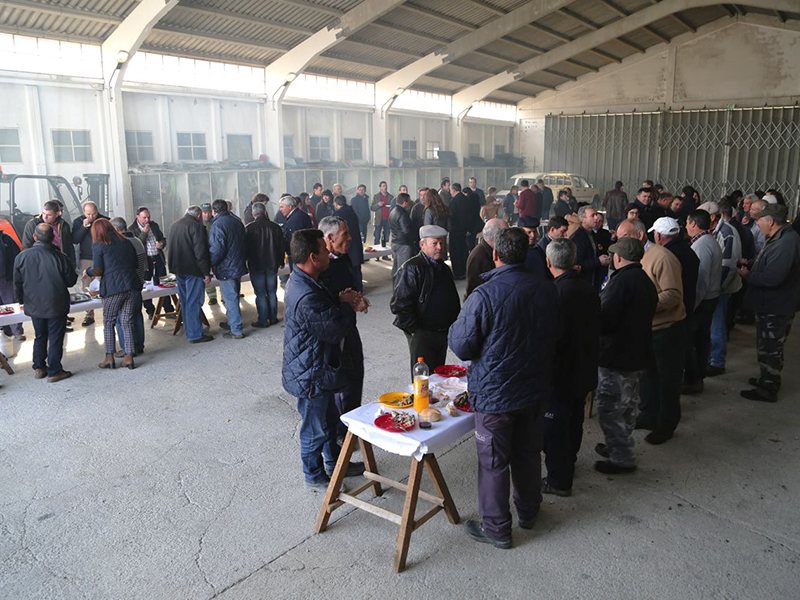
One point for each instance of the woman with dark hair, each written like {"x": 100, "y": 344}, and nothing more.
{"x": 631, "y": 211}
{"x": 325, "y": 208}
{"x": 115, "y": 262}
{"x": 436, "y": 211}
{"x": 562, "y": 207}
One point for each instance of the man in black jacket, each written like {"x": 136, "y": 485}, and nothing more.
{"x": 154, "y": 242}
{"x": 402, "y": 234}
{"x": 575, "y": 371}
{"x": 481, "y": 259}
{"x": 265, "y": 255}
{"x": 459, "y": 226}
{"x": 627, "y": 306}
{"x": 8, "y": 253}
{"x": 773, "y": 292}
{"x": 355, "y": 249}
{"x": 190, "y": 261}
{"x": 248, "y": 210}
{"x": 474, "y": 221}
{"x": 556, "y": 229}
{"x": 82, "y": 238}
{"x": 649, "y": 210}
{"x": 615, "y": 201}
{"x": 42, "y": 278}
{"x": 589, "y": 260}
{"x": 360, "y": 205}
{"x": 294, "y": 219}
{"x": 425, "y": 299}
{"x": 62, "y": 240}
{"x": 547, "y": 198}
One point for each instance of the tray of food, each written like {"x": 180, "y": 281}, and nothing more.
{"x": 7, "y": 310}
{"x": 450, "y": 371}
{"x": 461, "y": 402}
{"x": 397, "y": 400}
{"x": 396, "y": 421}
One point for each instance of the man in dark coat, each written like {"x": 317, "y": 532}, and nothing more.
{"x": 226, "y": 242}
{"x": 556, "y": 229}
{"x": 62, "y": 240}
{"x": 535, "y": 261}
{"x": 773, "y": 292}
{"x": 315, "y": 198}
{"x": 403, "y": 237}
{"x": 356, "y": 248}
{"x": 190, "y": 262}
{"x": 547, "y": 198}
{"x": 481, "y": 259}
{"x": 509, "y": 203}
{"x": 338, "y": 277}
{"x": 615, "y": 201}
{"x": 317, "y": 322}
{"x": 649, "y": 210}
{"x": 425, "y": 300}
{"x": 575, "y": 373}
{"x": 294, "y": 219}
{"x": 508, "y": 316}
{"x": 149, "y": 233}
{"x": 602, "y": 240}
{"x": 248, "y": 210}
{"x": 459, "y": 227}
{"x": 627, "y": 306}
{"x": 42, "y": 278}
{"x": 589, "y": 260}
{"x": 8, "y": 253}
{"x": 82, "y": 238}
{"x": 474, "y": 221}
{"x": 360, "y": 204}
{"x": 265, "y": 255}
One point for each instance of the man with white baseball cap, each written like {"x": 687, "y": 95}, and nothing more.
{"x": 770, "y": 199}
{"x": 667, "y": 232}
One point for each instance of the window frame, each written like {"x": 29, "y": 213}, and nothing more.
{"x": 17, "y": 146}
{"x": 349, "y": 153}
{"x": 249, "y": 137}
{"x": 138, "y": 146}
{"x": 318, "y": 151}
{"x": 432, "y": 148}
{"x": 409, "y": 150}
{"x": 72, "y": 145}
{"x": 192, "y": 146}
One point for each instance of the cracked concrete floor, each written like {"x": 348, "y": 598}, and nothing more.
{"x": 181, "y": 479}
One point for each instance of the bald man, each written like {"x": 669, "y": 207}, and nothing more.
{"x": 481, "y": 259}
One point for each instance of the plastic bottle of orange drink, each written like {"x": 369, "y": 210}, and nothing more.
{"x": 421, "y": 393}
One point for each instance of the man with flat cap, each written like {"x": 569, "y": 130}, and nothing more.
{"x": 773, "y": 292}
{"x": 627, "y": 306}
{"x": 425, "y": 300}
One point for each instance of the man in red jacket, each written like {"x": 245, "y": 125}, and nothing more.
{"x": 529, "y": 202}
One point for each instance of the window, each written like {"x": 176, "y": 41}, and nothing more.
{"x": 431, "y": 150}
{"x": 499, "y": 149}
{"x": 288, "y": 146}
{"x": 72, "y": 146}
{"x": 474, "y": 150}
{"x": 140, "y": 146}
{"x": 352, "y": 149}
{"x": 191, "y": 146}
{"x": 240, "y": 147}
{"x": 319, "y": 148}
{"x": 409, "y": 148}
{"x": 10, "y": 151}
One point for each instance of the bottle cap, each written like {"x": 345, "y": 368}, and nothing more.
{"x": 419, "y": 359}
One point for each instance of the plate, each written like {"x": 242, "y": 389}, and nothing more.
{"x": 467, "y": 408}
{"x": 393, "y": 399}
{"x": 450, "y": 371}
{"x": 387, "y": 423}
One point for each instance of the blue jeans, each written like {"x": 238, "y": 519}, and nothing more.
{"x": 265, "y": 285}
{"x": 719, "y": 334}
{"x": 48, "y": 345}
{"x": 137, "y": 323}
{"x": 191, "y": 291}
{"x": 318, "y": 420}
{"x": 382, "y": 227}
{"x": 230, "y": 293}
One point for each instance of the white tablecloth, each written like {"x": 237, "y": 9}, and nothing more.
{"x": 417, "y": 442}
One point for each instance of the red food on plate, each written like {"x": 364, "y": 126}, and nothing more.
{"x": 450, "y": 371}
{"x": 388, "y": 422}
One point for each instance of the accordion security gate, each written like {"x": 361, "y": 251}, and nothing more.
{"x": 714, "y": 151}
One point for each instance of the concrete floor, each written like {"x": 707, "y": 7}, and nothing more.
{"x": 181, "y": 479}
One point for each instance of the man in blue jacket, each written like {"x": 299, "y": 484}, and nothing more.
{"x": 317, "y": 323}
{"x": 226, "y": 241}
{"x": 500, "y": 329}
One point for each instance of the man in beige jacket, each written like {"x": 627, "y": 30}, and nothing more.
{"x": 661, "y": 380}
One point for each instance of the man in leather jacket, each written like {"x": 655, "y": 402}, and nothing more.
{"x": 402, "y": 233}
{"x": 425, "y": 300}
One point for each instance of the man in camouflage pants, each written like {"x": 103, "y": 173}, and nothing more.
{"x": 773, "y": 292}
{"x": 627, "y": 306}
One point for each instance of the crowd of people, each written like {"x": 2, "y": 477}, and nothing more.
{"x": 632, "y": 306}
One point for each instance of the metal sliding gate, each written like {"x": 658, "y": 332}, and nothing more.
{"x": 715, "y": 151}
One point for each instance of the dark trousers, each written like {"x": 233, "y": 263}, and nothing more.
{"x": 509, "y": 447}
{"x": 349, "y": 398}
{"x": 563, "y": 433}
{"x": 137, "y": 322}
{"x": 771, "y": 334}
{"x": 698, "y": 338}
{"x": 381, "y": 233}
{"x": 156, "y": 267}
{"x": 48, "y": 345}
{"x": 363, "y": 225}
{"x": 458, "y": 254}
{"x": 471, "y": 239}
{"x": 359, "y": 278}
{"x": 318, "y": 419}
{"x": 400, "y": 254}
{"x": 430, "y": 345}
{"x": 661, "y": 380}
{"x": 734, "y": 306}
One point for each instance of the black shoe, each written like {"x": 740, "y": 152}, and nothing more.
{"x": 712, "y": 371}
{"x": 610, "y": 468}
{"x": 476, "y": 532}
{"x": 689, "y": 389}
{"x": 759, "y": 395}
{"x": 602, "y": 450}
{"x": 233, "y": 336}
{"x": 643, "y": 424}
{"x": 69, "y": 329}
{"x": 150, "y": 312}
{"x": 549, "y": 489}
{"x": 87, "y": 321}
{"x": 527, "y": 524}
{"x": 259, "y": 325}
{"x": 224, "y": 325}
{"x": 201, "y": 339}
{"x": 7, "y": 332}
{"x": 658, "y": 436}
{"x": 755, "y": 382}
{"x": 354, "y": 469}
{"x": 318, "y": 486}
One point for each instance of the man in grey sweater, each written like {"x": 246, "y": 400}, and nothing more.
{"x": 709, "y": 278}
